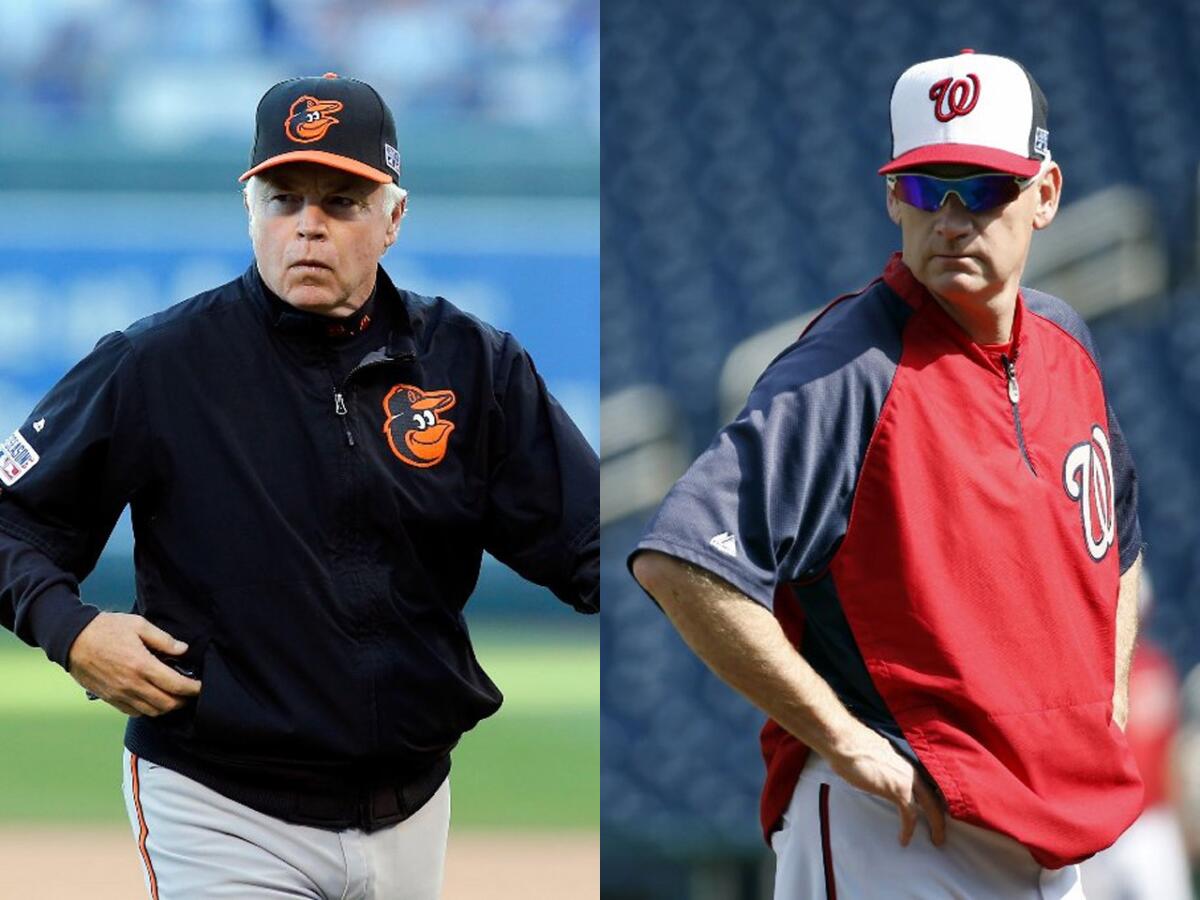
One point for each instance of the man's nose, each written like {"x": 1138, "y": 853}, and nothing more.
{"x": 311, "y": 223}
{"x": 953, "y": 219}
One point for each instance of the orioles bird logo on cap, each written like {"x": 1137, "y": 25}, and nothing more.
{"x": 309, "y": 119}
{"x": 415, "y": 431}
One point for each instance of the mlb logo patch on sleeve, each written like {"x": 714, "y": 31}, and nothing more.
{"x": 16, "y": 458}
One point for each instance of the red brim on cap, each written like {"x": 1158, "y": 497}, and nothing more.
{"x": 965, "y": 155}
{"x": 345, "y": 163}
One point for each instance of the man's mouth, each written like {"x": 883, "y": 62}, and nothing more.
{"x": 309, "y": 264}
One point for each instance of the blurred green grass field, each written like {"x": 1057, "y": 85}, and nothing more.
{"x": 535, "y": 764}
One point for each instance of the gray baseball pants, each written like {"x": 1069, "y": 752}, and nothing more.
{"x": 196, "y": 844}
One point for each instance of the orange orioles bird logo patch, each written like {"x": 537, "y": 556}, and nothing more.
{"x": 415, "y": 431}
{"x": 309, "y": 119}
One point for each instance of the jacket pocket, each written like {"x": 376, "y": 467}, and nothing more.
{"x": 1061, "y": 780}
{"x": 279, "y": 680}
{"x": 225, "y": 712}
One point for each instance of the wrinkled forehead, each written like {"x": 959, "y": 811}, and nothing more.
{"x": 306, "y": 176}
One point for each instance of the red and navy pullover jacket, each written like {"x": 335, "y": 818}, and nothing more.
{"x": 310, "y": 511}
{"x": 940, "y": 528}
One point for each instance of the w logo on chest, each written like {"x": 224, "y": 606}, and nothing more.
{"x": 1088, "y": 480}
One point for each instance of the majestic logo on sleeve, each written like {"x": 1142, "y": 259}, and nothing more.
{"x": 954, "y": 97}
{"x": 1088, "y": 480}
{"x": 415, "y": 430}
{"x": 309, "y": 119}
{"x": 725, "y": 542}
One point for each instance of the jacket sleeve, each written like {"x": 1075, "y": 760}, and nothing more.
{"x": 1129, "y": 528}
{"x": 769, "y": 501}
{"x": 543, "y": 516}
{"x": 70, "y": 469}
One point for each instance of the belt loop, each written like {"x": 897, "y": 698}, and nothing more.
{"x": 383, "y": 805}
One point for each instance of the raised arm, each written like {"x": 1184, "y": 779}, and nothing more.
{"x": 744, "y": 644}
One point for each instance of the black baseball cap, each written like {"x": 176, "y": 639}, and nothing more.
{"x": 337, "y": 122}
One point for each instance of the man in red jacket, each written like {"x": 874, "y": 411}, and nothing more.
{"x": 917, "y": 547}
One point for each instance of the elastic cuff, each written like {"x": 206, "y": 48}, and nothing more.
{"x": 583, "y": 590}
{"x": 55, "y": 620}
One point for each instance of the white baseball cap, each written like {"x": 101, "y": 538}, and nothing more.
{"x": 971, "y": 109}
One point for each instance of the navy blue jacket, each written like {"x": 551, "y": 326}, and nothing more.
{"x": 310, "y": 512}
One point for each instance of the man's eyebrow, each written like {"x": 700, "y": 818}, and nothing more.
{"x": 279, "y": 183}
{"x": 351, "y": 186}
{"x": 347, "y": 186}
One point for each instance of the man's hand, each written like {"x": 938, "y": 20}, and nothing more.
{"x": 1120, "y": 702}
{"x": 111, "y": 658}
{"x": 870, "y": 763}
{"x": 743, "y": 643}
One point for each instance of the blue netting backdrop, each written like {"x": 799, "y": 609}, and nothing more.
{"x": 740, "y": 143}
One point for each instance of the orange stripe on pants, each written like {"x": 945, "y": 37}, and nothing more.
{"x": 143, "y": 831}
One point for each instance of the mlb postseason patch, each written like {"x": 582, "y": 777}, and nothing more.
{"x": 392, "y": 157}
{"x": 16, "y": 458}
{"x": 1041, "y": 142}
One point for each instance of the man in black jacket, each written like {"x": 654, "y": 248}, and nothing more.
{"x": 315, "y": 462}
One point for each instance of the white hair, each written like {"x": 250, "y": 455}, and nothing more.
{"x": 393, "y": 195}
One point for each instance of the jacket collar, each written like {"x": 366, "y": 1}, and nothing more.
{"x": 904, "y": 284}
{"x": 387, "y": 305}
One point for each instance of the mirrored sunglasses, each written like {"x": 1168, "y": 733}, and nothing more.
{"x": 977, "y": 192}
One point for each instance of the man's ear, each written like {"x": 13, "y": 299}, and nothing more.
{"x": 249, "y": 213}
{"x": 1049, "y": 188}
{"x": 393, "y": 229}
{"x": 893, "y": 205}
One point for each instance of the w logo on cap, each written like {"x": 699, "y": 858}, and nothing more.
{"x": 309, "y": 119}
{"x": 954, "y": 97}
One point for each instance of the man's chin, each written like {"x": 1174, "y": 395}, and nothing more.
{"x": 957, "y": 284}
{"x": 312, "y": 298}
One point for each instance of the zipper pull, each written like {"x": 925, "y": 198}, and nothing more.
{"x": 1014, "y": 389}
{"x": 339, "y": 407}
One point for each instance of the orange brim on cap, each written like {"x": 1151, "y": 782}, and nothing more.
{"x": 964, "y": 155}
{"x": 321, "y": 157}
